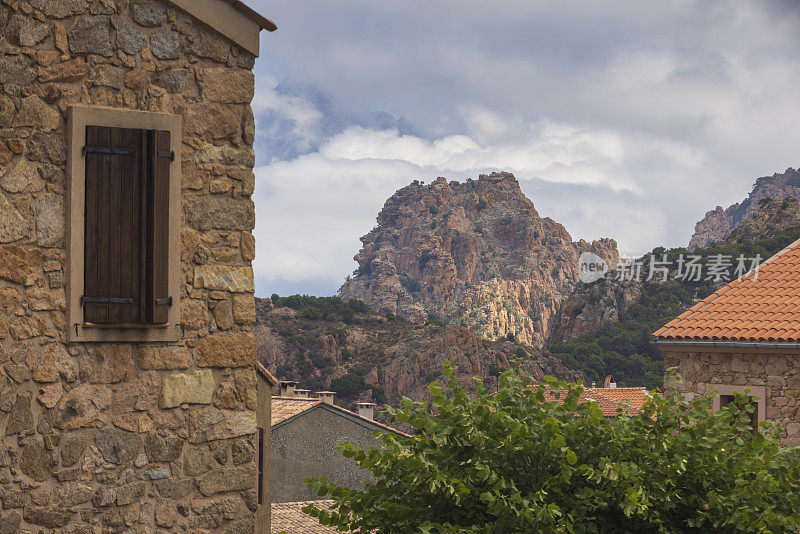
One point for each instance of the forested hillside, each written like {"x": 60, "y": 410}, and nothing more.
{"x": 625, "y": 348}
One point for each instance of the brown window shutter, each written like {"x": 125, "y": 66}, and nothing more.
{"x": 261, "y": 461}
{"x": 113, "y": 225}
{"x": 160, "y": 155}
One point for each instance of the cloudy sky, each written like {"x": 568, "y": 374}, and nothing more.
{"x": 625, "y": 119}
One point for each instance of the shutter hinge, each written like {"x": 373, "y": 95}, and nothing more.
{"x": 105, "y": 300}
{"x": 108, "y": 150}
{"x": 165, "y": 301}
{"x": 165, "y": 154}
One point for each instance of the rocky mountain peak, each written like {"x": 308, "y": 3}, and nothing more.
{"x": 474, "y": 253}
{"x": 772, "y": 216}
{"x": 719, "y": 223}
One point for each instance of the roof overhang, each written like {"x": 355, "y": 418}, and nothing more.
{"x": 231, "y": 18}
{"x": 265, "y": 374}
{"x": 683, "y": 345}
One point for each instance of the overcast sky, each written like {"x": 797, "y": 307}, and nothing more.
{"x": 622, "y": 119}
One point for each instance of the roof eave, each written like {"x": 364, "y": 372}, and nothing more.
{"x": 261, "y": 20}
{"x": 738, "y": 344}
{"x": 231, "y": 18}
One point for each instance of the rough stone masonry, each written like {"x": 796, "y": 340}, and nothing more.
{"x": 125, "y": 437}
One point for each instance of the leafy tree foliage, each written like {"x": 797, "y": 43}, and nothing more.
{"x": 516, "y": 462}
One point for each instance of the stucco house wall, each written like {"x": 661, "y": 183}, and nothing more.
{"x": 125, "y": 436}
{"x": 307, "y": 446}
{"x": 704, "y": 370}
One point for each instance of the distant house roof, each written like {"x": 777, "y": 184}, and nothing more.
{"x": 285, "y": 409}
{"x": 759, "y": 307}
{"x": 264, "y": 372}
{"x": 289, "y": 517}
{"x": 232, "y": 18}
{"x": 610, "y": 400}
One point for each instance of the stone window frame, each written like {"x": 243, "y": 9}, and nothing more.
{"x": 759, "y": 392}
{"x": 78, "y": 118}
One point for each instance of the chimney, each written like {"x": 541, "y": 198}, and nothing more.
{"x": 302, "y": 393}
{"x": 287, "y": 388}
{"x": 367, "y": 410}
{"x": 326, "y": 396}
{"x": 594, "y": 384}
{"x": 612, "y": 385}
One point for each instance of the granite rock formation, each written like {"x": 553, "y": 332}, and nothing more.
{"x": 383, "y": 359}
{"x": 475, "y": 253}
{"x": 719, "y": 223}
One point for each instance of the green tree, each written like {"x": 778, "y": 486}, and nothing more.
{"x": 516, "y": 461}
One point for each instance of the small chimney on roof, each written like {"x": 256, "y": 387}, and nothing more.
{"x": 609, "y": 382}
{"x": 367, "y": 410}
{"x": 302, "y": 393}
{"x": 326, "y": 396}
{"x": 287, "y": 388}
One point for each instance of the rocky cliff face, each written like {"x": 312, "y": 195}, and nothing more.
{"x": 771, "y": 217}
{"x": 476, "y": 254}
{"x": 591, "y": 305}
{"x": 380, "y": 359}
{"x": 719, "y": 223}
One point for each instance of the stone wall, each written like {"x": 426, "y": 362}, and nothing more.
{"x": 779, "y": 373}
{"x": 306, "y": 447}
{"x": 125, "y": 437}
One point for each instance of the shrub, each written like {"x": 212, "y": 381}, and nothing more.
{"x": 516, "y": 461}
{"x": 320, "y": 362}
{"x": 481, "y": 205}
{"x": 411, "y": 285}
{"x": 424, "y": 258}
{"x": 329, "y": 308}
{"x": 348, "y": 385}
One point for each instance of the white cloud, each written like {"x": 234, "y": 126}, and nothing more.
{"x": 311, "y": 210}
{"x": 621, "y": 118}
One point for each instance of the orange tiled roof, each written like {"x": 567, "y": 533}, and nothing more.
{"x": 289, "y": 517}
{"x": 753, "y": 308}
{"x": 609, "y": 400}
{"x": 284, "y": 408}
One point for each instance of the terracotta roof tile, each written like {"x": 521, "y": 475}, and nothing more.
{"x": 284, "y": 408}
{"x": 609, "y": 400}
{"x": 289, "y": 517}
{"x": 760, "y": 306}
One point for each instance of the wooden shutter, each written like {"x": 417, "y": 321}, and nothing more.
{"x": 113, "y": 276}
{"x": 261, "y": 461}
{"x": 158, "y": 297}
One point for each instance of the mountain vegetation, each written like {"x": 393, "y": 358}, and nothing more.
{"x": 624, "y": 348}
{"x": 328, "y": 343}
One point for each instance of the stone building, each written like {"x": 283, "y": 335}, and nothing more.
{"x": 746, "y": 336}
{"x": 128, "y": 385}
{"x": 305, "y": 434}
